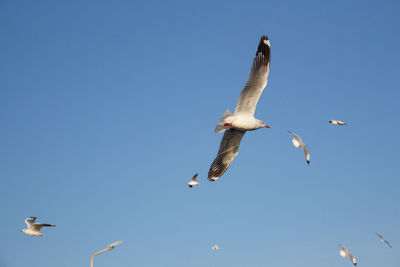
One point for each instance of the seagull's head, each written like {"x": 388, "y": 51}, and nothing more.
{"x": 262, "y": 124}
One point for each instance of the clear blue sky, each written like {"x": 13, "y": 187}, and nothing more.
{"x": 108, "y": 108}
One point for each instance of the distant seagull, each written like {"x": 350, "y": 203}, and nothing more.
{"x": 193, "y": 181}
{"x": 34, "y": 228}
{"x": 298, "y": 142}
{"x": 337, "y": 122}
{"x": 383, "y": 240}
{"x": 345, "y": 252}
{"x": 235, "y": 125}
{"x": 215, "y": 247}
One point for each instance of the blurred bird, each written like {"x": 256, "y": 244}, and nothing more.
{"x": 337, "y": 122}
{"x": 34, "y": 228}
{"x": 236, "y": 124}
{"x": 215, "y": 247}
{"x": 298, "y": 142}
{"x": 193, "y": 181}
{"x": 345, "y": 252}
{"x": 383, "y": 240}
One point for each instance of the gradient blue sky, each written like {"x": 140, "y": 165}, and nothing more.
{"x": 107, "y": 108}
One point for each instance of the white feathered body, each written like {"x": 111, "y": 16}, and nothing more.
{"x": 239, "y": 121}
{"x": 244, "y": 122}
{"x": 32, "y": 233}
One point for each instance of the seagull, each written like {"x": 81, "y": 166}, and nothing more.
{"x": 337, "y": 122}
{"x": 236, "y": 124}
{"x": 345, "y": 252}
{"x": 193, "y": 181}
{"x": 215, "y": 247}
{"x": 298, "y": 142}
{"x": 34, "y": 228}
{"x": 383, "y": 240}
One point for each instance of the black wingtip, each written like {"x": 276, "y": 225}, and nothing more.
{"x": 264, "y": 48}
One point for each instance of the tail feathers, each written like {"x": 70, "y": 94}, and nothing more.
{"x": 226, "y": 114}
{"x": 219, "y": 128}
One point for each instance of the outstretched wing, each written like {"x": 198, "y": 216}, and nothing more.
{"x": 381, "y": 237}
{"x": 228, "y": 150}
{"x": 38, "y": 226}
{"x": 257, "y": 79}
{"x": 306, "y": 153}
{"x": 29, "y": 221}
{"x": 352, "y": 259}
{"x": 387, "y": 242}
{"x": 194, "y": 177}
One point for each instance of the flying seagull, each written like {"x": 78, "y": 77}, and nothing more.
{"x": 236, "y": 124}
{"x": 383, "y": 240}
{"x": 345, "y": 252}
{"x": 34, "y": 228}
{"x": 337, "y": 122}
{"x": 193, "y": 181}
{"x": 215, "y": 247}
{"x": 298, "y": 142}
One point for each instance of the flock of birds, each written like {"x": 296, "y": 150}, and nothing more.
{"x": 235, "y": 125}
{"x": 33, "y": 229}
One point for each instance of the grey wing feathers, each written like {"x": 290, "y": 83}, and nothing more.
{"x": 38, "y": 226}
{"x": 228, "y": 150}
{"x": 257, "y": 79}
{"x": 352, "y": 259}
{"x": 29, "y": 221}
{"x": 306, "y": 154}
{"x": 194, "y": 177}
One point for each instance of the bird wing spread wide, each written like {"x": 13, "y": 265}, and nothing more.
{"x": 257, "y": 79}
{"x": 228, "y": 150}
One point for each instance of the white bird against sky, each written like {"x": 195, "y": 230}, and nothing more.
{"x": 193, "y": 181}
{"x": 298, "y": 142}
{"x": 34, "y": 228}
{"x": 383, "y": 240}
{"x": 215, "y": 247}
{"x": 235, "y": 125}
{"x": 336, "y": 122}
{"x": 345, "y": 252}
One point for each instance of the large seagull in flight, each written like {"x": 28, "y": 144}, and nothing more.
{"x": 235, "y": 125}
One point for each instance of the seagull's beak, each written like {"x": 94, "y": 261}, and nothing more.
{"x": 228, "y": 124}
{"x": 266, "y": 126}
